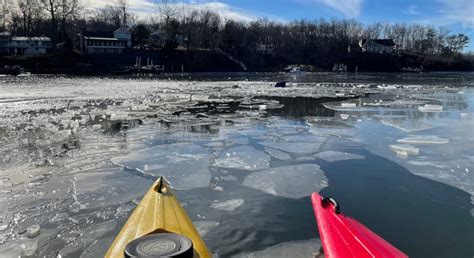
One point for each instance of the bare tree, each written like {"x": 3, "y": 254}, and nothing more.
{"x": 167, "y": 9}
{"x": 5, "y": 12}
{"x": 127, "y": 17}
{"x": 60, "y": 11}
{"x": 52, "y": 7}
{"x": 68, "y": 10}
{"x": 30, "y": 11}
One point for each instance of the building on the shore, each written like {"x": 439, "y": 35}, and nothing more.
{"x": 354, "y": 48}
{"x": 159, "y": 38}
{"x": 24, "y": 45}
{"x": 265, "y": 49}
{"x": 106, "y": 42}
{"x": 380, "y": 46}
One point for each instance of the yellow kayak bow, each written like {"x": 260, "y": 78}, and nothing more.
{"x": 158, "y": 215}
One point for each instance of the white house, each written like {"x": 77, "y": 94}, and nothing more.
{"x": 106, "y": 42}
{"x": 265, "y": 49}
{"x": 380, "y": 46}
{"x": 24, "y": 45}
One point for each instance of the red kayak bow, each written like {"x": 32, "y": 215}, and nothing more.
{"x": 345, "y": 237}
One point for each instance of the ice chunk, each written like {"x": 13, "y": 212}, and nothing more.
{"x": 332, "y": 156}
{"x": 294, "y": 249}
{"x": 243, "y": 157}
{"x": 294, "y": 147}
{"x": 33, "y": 231}
{"x": 218, "y": 188}
{"x": 348, "y": 105}
{"x": 423, "y": 139}
{"x": 406, "y": 125}
{"x": 204, "y": 227}
{"x": 278, "y": 154}
{"x": 430, "y": 108}
{"x": 295, "y": 181}
{"x": 405, "y": 149}
{"x": 345, "y": 106}
{"x": 229, "y": 205}
{"x": 427, "y": 163}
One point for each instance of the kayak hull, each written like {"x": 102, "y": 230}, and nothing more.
{"x": 158, "y": 212}
{"x": 343, "y": 236}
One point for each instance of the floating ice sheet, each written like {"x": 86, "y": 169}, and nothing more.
{"x": 332, "y": 156}
{"x": 184, "y": 164}
{"x": 423, "y": 139}
{"x": 228, "y": 205}
{"x": 406, "y": 125}
{"x": 404, "y": 149}
{"x": 430, "y": 108}
{"x": 243, "y": 157}
{"x": 294, "y": 147}
{"x": 295, "y": 181}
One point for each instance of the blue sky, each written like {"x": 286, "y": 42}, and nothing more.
{"x": 458, "y": 15}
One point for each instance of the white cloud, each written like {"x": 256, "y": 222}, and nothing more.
{"x": 457, "y": 11}
{"x": 147, "y": 8}
{"x": 228, "y": 12}
{"x": 413, "y": 10}
{"x": 134, "y": 5}
{"x": 350, "y": 8}
{"x": 450, "y": 12}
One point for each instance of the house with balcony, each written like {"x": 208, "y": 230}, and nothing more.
{"x": 24, "y": 45}
{"x": 106, "y": 42}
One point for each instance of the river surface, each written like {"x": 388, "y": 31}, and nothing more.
{"x": 395, "y": 150}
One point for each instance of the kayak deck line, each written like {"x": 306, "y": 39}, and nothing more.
{"x": 343, "y": 236}
{"x": 158, "y": 212}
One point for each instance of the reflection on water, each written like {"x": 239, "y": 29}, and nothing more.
{"x": 245, "y": 160}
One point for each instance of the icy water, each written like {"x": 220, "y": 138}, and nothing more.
{"x": 396, "y": 150}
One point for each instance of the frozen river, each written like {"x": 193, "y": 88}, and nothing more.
{"x": 396, "y": 150}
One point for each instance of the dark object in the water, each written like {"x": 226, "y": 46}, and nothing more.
{"x": 212, "y": 107}
{"x": 235, "y": 86}
{"x": 281, "y": 84}
{"x": 124, "y": 125}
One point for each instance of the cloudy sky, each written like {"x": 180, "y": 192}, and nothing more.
{"x": 458, "y": 15}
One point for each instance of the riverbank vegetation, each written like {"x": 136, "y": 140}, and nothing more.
{"x": 261, "y": 45}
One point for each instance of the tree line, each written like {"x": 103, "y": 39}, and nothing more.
{"x": 303, "y": 41}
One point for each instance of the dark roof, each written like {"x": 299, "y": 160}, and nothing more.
{"x": 99, "y": 34}
{"x": 385, "y": 42}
